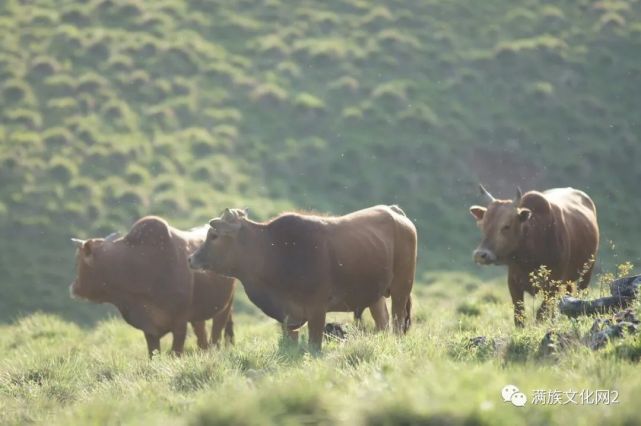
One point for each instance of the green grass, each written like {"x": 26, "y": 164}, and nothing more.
{"x": 55, "y": 372}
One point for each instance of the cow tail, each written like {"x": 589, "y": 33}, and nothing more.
{"x": 408, "y": 314}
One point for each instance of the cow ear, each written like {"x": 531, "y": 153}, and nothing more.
{"x": 478, "y": 212}
{"x": 524, "y": 214}
{"x": 87, "y": 251}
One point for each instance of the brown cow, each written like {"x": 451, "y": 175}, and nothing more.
{"x": 556, "y": 228}
{"x": 146, "y": 276}
{"x": 296, "y": 268}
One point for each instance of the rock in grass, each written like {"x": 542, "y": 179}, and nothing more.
{"x": 624, "y": 291}
{"x": 335, "y": 331}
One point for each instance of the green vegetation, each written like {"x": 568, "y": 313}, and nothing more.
{"x": 113, "y": 109}
{"x": 54, "y": 372}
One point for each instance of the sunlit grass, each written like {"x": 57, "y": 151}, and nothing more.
{"x": 54, "y": 372}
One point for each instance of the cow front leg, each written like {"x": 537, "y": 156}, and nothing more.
{"x": 180, "y": 332}
{"x": 316, "y": 327}
{"x": 289, "y": 335}
{"x": 546, "y": 310}
{"x": 153, "y": 344}
{"x": 517, "y": 294}
{"x": 201, "y": 333}
{"x": 380, "y": 314}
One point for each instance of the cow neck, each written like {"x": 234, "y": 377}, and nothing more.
{"x": 118, "y": 287}
{"x": 256, "y": 245}
{"x": 524, "y": 253}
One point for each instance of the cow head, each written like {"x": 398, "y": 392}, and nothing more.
{"x": 501, "y": 223}
{"x": 89, "y": 283}
{"x": 221, "y": 251}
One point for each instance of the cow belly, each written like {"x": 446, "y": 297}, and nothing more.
{"x": 357, "y": 292}
{"x": 147, "y": 318}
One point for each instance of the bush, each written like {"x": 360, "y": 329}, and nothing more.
{"x": 269, "y": 93}
{"x": 345, "y": 84}
{"x": 77, "y": 15}
{"x": 24, "y": 117}
{"x": 43, "y": 66}
{"x": 60, "y": 85}
{"x": 16, "y": 91}
{"x": 57, "y": 137}
{"x": 91, "y": 83}
{"x": 62, "y": 169}
{"x": 308, "y": 102}
{"x": 63, "y": 106}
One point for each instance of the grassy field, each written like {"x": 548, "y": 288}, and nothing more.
{"x": 55, "y": 372}
{"x": 115, "y": 109}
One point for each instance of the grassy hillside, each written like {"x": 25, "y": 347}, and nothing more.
{"x": 55, "y": 373}
{"x": 112, "y": 109}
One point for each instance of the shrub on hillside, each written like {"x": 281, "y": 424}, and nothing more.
{"x": 269, "y": 93}
{"x": 62, "y": 107}
{"x": 59, "y": 85}
{"x": 17, "y": 91}
{"x": 345, "y": 84}
{"x": 43, "y": 66}
{"x": 24, "y": 117}
{"x": 62, "y": 169}
{"x": 307, "y": 102}
{"x": 57, "y": 137}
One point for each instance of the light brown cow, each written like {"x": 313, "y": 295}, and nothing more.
{"x": 146, "y": 276}
{"x": 556, "y": 228}
{"x": 296, "y": 268}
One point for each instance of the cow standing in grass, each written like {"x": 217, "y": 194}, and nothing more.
{"x": 296, "y": 267}
{"x": 146, "y": 276}
{"x": 556, "y": 228}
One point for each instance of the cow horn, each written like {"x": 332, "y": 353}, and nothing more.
{"x": 78, "y": 242}
{"x": 519, "y": 194}
{"x": 486, "y": 195}
{"x": 112, "y": 237}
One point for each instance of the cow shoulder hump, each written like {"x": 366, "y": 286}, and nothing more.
{"x": 150, "y": 230}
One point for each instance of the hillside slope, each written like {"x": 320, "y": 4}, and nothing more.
{"x": 112, "y": 109}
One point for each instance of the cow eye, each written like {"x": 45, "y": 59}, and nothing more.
{"x": 212, "y": 237}
{"x": 505, "y": 228}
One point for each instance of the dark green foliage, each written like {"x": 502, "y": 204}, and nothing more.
{"x": 195, "y": 106}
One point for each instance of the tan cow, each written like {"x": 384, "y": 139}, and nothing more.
{"x": 146, "y": 276}
{"x": 556, "y": 228}
{"x": 296, "y": 267}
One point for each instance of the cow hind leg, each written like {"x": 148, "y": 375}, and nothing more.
{"x": 400, "y": 314}
{"x": 180, "y": 333}
{"x": 400, "y": 290}
{"x": 316, "y": 326}
{"x": 403, "y": 281}
{"x": 219, "y": 324}
{"x": 358, "y": 317}
{"x": 380, "y": 314}
{"x": 201, "y": 333}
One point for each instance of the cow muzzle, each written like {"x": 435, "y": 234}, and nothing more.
{"x": 194, "y": 263}
{"x": 484, "y": 257}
